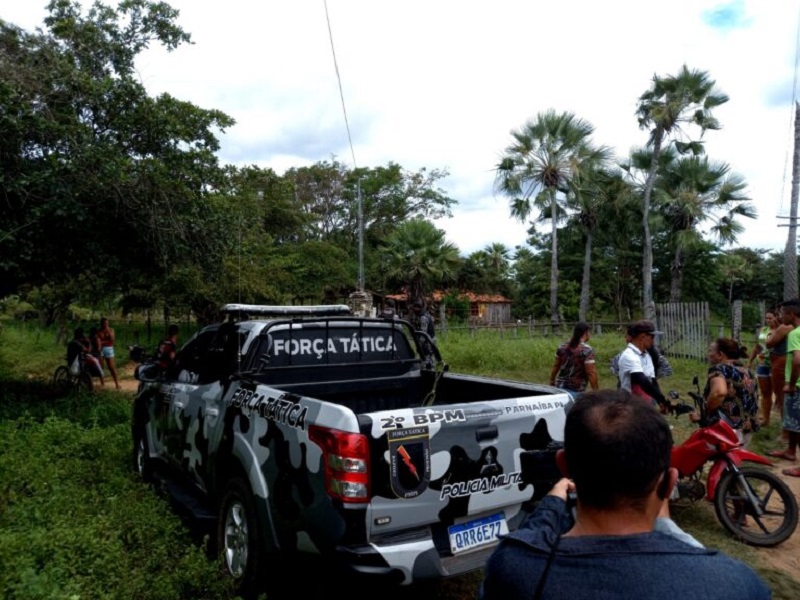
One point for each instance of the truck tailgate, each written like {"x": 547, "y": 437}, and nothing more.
{"x": 450, "y": 465}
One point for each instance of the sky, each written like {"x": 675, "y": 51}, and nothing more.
{"x": 440, "y": 84}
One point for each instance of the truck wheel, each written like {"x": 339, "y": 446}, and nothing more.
{"x": 239, "y": 539}
{"x": 141, "y": 457}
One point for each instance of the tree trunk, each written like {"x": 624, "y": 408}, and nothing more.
{"x": 676, "y": 282}
{"x": 648, "y": 308}
{"x": 554, "y": 261}
{"x": 583, "y": 309}
{"x": 790, "y": 255}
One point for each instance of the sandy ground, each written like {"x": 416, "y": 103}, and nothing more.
{"x": 785, "y": 557}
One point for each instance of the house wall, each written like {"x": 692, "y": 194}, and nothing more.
{"x": 495, "y": 313}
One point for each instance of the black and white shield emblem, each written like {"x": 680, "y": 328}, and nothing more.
{"x": 410, "y": 459}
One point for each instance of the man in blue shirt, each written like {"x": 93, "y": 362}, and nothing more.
{"x": 617, "y": 452}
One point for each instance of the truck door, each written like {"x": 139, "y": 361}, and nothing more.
{"x": 182, "y": 381}
{"x": 197, "y": 404}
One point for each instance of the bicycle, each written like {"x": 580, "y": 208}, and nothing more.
{"x": 64, "y": 378}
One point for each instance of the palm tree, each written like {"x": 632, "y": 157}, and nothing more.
{"x": 670, "y": 103}
{"x": 497, "y": 257}
{"x": 417, "y": 255}
{"x": 693, "y": 191}
{"x": 535, "y": 171}
{"x": 734, "y": 267}
{"x": 595, "y": 197}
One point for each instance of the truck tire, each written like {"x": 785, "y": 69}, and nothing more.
{"x": 142, "y": 464}
{"x": 239, "y": 541}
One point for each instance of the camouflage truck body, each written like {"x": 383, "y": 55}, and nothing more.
{"x": 333, "y": 435}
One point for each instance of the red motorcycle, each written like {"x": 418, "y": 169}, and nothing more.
{"x": 752, "y": 503}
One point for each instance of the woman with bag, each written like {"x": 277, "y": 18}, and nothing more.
{"x": 574, "y": 366}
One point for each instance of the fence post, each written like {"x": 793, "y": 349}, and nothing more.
{"x": 737, "y": 321}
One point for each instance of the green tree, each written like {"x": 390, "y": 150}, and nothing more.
{"x": 693, "y": 191}
{"x": 536, "y": 168}
{"x": 487, "y": 270}
{"x": 326, "y": 194}
{"x": 95, "y": 173}
{"x": 417, "y": 256}
{"x": 671, "y": 103}
{"x": 594, "y": 197}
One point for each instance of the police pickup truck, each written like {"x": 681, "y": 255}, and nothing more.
{"x": 306, "y": 429}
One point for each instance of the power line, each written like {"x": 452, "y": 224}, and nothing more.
{"x": 339, "y": 79}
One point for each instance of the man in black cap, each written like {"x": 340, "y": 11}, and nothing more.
{"x": 637, "y": 372}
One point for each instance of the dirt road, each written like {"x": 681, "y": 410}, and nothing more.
{"x": 785, "y": 557}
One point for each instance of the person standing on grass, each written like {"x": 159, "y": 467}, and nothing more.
{"x": 760, "y": 356}
{"x": 637, "y": 373}
{"x": 790, "y": 315}
{"x": 729, "y": 392}
{"x": 574, "y": 368}
{"x": 107, "y": 340}
{"x": 776, "y": 343}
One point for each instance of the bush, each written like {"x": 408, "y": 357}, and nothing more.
{"x": 75, "y": 522}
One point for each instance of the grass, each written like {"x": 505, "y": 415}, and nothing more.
{"x": 75, "y": 523}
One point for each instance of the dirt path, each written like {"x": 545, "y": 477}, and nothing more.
{"x": 785, "y": 557}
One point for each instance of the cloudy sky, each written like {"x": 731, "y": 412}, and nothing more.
{"x": 441, "y": 83}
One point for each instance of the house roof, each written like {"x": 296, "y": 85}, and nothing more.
{"x": 439, "y": 295}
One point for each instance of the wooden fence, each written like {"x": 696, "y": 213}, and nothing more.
{"x": 686, "y": 327}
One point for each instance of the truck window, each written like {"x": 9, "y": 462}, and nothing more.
{"x": 308, "y": 346}
{"x": 192, "y": 355}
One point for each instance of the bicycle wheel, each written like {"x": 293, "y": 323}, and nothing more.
{"x": 85, "y": 382}
{"x": 62, "y": 378}
{"x": 770, "y": 521}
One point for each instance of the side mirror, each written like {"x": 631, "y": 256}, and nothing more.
{"x": 147, "y": 373}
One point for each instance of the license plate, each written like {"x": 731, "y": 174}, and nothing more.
{"x": 477, "y": 533}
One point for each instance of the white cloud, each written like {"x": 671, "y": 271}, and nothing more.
{"x": 441, "y": 84}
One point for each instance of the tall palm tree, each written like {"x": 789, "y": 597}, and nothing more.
{"x": 595, "y": 197}
{"x": 497, "y": 257}
{"x": 669, "y": 104}
{"x": 417, "y": 255}
{"x": 535, "y": 171}
{"x": 693, "y": 191}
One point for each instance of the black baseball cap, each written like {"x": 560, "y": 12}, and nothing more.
{"x": 643, "y": 326}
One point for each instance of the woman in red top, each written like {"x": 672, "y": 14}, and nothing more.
{"x": 107, "y": 339}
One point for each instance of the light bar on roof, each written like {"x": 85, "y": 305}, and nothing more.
{"x": 262, "y": 310}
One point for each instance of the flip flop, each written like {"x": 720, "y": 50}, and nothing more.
{"x": 792, "y": 472}
{"x": 781, "y": 454}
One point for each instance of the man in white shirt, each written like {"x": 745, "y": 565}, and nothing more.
{"x": 636, "y": 370}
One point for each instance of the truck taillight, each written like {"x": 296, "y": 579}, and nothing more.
{"x": 345, "y": 457}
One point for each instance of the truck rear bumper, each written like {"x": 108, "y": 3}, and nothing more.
{"x": 403, "y": 564}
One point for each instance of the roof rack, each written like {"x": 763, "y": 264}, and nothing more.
{"x": 261, "y": 310}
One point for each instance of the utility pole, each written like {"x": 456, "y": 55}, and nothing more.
{"x": 790, "y": 255}
{"x": 360, "y": 240}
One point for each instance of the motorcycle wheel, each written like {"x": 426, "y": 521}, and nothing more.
{"x": 736, "y": 513}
